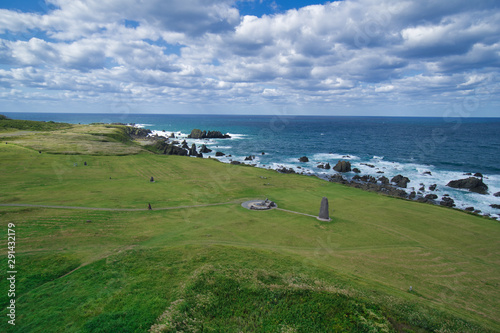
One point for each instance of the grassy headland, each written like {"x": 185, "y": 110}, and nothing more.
{"x": 225, "y": 268}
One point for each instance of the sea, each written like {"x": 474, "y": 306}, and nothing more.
{"x": 426, "y": 150}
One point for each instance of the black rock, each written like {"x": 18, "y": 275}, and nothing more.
{"x": 368, "y": 165}
{"x": 478, "y": 174}
{"x": 356, "y": 170}
{"x": 469, "y": 209}
{"x": 384, "y": 180}
{"x": 422, "y": 188}
{"x": 412, "y": 195}
{"x": 325, "y": 166}
{"x": 473, "y": 184}
{"x": 342, "y": 166}
{"x": 497, "y": 194}
{"x": 495, "y": 206}
{"x": 432, "y": 187}
{"x": 337, "y": 178}
{"x": 199, "y": 134}
{"x": 368, "y": 179}
{"x": 285, "y": 170}
{"x": 400, "y": 181}
{"x": 205, "y": 150}
{"x": 170, "y": 149}
{"x": 447, "y": 201}
{"x": 428, "y": 173}
{"x": 236, "y": 163}
{"x": 431, "y": 196}
{"x": 249, "y": 158}
{"x": 192, "y": 151}
{"x": 137, "y": 133}
{"x": 219, "y": 154}
{"x": 304, "y": 159}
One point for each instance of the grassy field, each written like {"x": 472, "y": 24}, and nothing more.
{"x": 225, "y": 268}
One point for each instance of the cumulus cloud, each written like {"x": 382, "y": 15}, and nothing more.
{"x": 205, "y": 51}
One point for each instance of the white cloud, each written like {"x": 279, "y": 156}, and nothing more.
{"x": 205, "y": 52}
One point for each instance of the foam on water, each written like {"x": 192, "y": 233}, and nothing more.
{"x": 331, "y": 156}
{"x": 237, "y": 136}
{"x": 142, "y": 125}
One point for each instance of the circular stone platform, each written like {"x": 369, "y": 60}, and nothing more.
{"x": 258, "y": 204}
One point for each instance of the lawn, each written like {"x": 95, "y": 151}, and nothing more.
{"x": 214, "y": 267}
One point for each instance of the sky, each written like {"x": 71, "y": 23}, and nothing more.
{"x": 352, "y": 57}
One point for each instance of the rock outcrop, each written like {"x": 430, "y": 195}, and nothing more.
{"x": 447, "y": 201}
{"x": 472, "y": 184}
{"x": 205, "y": 150}
{"x": 337, "y": 178}
{"x": 384, "y": 180}
{"x": 137, "y": 133}
{"x": 342, "y": 166}
{"x": 369, "y": 183}
{"x": 199, "y": 134}
{"x": 400, "y": 181}
{"x": 174, "y": 150}
{"x": 304, "y": 159}
{"x": 192, "y": 151}
{"x": 325, "y": 166}
{"x": 285, "y": 170}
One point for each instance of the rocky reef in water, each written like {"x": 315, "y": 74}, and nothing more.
{"x": 199, "y": 134}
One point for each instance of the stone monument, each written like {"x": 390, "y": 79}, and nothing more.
{"x": 324, "y": 214}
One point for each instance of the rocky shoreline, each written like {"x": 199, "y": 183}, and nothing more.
{"x": 396, "y": 186}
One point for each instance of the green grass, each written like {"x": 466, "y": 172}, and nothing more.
{"x": 29, "y": 125}
{"x": 224, "y": 267}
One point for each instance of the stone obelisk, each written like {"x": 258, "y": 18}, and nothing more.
{"x": 323, "y": 210}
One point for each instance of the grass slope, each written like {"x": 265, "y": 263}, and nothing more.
{"x": 224, "y": 267}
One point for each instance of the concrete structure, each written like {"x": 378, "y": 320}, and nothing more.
{"x": 324, "y": 214}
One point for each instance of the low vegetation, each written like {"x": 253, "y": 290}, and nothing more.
{"x": 223, "y": 267}
{"x": 29, "y": 125}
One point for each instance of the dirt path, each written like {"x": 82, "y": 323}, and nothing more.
{"x": 291, "y": 211}
{"x": 117, "y": 209}
{"x": 141, "y": 209}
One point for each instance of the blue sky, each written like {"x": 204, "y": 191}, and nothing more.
{"x": 351, "y": 57}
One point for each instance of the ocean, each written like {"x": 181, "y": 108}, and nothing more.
{"x": 426, "y": 150}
